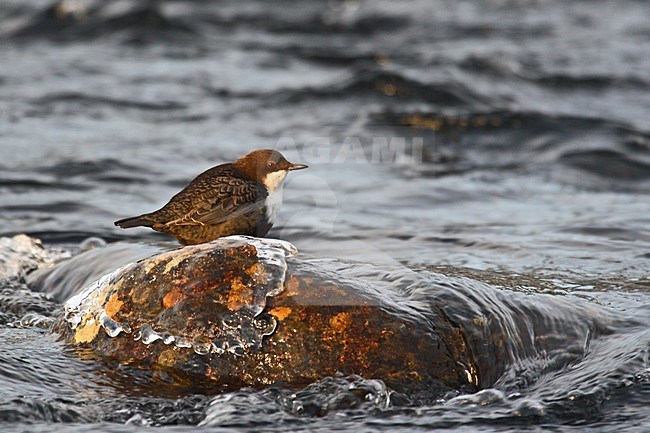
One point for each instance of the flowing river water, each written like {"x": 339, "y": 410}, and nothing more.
{"x": 497, "y": 151}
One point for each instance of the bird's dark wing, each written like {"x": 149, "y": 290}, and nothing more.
{"x": 225, "y": 198}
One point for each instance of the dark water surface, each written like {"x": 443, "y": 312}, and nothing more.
{"x": 521, "y": 189}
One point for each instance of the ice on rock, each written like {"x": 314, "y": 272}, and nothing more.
{"x": 240, "y": 329}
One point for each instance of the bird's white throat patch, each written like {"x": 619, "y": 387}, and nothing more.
{"x": 274, "y": 183}
{"x": 274, "y": 180}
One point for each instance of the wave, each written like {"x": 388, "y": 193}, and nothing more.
{"x": 493, "y": 66}
{"x": 365, "y": 82}
{"x": 515, "y": 140}
{"x": 88, "y": 99}
{"x": 72, "y": 21}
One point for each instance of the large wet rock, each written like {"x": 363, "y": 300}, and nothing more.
{"x": 240, "y": 312}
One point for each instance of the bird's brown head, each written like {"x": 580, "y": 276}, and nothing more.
{"x": 267, "y": 166}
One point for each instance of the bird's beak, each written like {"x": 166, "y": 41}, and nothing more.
{"x": 296, "y": 167}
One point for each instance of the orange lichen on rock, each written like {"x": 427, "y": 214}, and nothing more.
{"x": 173, "y": 297}
{"x": 87, "y": 333}
{"x": 280, "y": 313}
{"x": 240, "y": 294}
{"x": 255, "y": 271}
{"x": 113, "y": 305}
{"x": 340, "y": 322}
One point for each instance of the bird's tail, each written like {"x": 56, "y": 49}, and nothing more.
{"x": 134, "y": 222}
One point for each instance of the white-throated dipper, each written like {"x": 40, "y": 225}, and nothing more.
{"x": 239, "y": 198}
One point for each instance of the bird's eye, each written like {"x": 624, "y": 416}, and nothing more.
{"x": 270, "y": 164}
